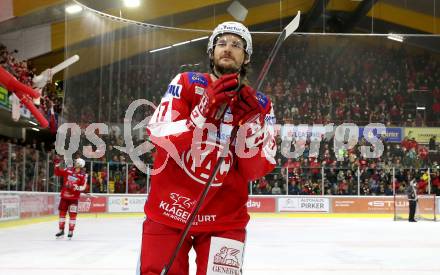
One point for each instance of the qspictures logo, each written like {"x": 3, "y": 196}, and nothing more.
{"x": 345, "y": 137}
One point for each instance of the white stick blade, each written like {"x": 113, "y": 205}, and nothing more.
{"x": 293, "y": 25}
{"x": 66, "y": 63}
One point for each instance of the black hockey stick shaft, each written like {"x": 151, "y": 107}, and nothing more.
{"x": 293, "y": 25}
{"x": 287, "y": 31}
{"x": 200, "y": 201}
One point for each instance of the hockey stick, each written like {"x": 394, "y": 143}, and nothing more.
{"x": 45, "y": 77}
{"x": 288, "y": 30}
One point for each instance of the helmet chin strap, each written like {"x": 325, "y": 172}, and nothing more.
{"x": 214, "y": 72}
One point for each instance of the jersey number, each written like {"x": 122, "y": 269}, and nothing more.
{"x": 162, "y": 111}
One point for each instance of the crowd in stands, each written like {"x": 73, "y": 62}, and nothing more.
{"x": 22, "y": 70}
{"x": 308, "y": 83}
{"x": 355, "y": 82}
{"x": 347, "y": 172}
{"x": 25, "y": 72}
{"x": 23, "y": 166}
{"x": 29, "y": 167}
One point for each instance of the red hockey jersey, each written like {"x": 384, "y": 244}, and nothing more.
{"x": 73, "y": 183}
{"x": 178, "y": 178}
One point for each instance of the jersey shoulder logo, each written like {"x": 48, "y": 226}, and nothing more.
{"x": 197, "y": 78}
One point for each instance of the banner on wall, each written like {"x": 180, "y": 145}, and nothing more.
{"x": 118, "y": 204}
{"x": 9, "y": 208}
{"x": 92, "y": 205}
{"x": 438, "y": 205}
{"x": 255, "y": 204}
{"x": 309, "y": 132}
{"x": 422, "y": 134}
{"x": 4, "y": 98}
{"x": 374, "y": 205}
{"x": 392, "y": 134}
{"x": 36, "y": 205}
{"x": 304, "y": 204}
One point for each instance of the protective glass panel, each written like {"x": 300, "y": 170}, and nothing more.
{"x": 315, "y": 79}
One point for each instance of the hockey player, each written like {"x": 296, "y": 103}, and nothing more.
{"x": 187, "y": 153}
{"x": 74, "y": 182}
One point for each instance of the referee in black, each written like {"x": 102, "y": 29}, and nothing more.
{"x": 411, "y": 191}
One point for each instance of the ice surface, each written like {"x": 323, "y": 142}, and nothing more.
{"x": 274, "y": 246}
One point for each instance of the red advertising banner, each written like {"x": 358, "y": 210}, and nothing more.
{"x": 373, "y": 205}
{"x": 92, "y": 205}
{"x": 256, "y": 204}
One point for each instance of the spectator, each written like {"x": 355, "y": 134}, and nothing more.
{"x": 432, "y": 144}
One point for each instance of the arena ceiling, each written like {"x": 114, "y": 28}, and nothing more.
{"x": 367, "y": 16}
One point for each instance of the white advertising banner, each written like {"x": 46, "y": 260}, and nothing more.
{"x": 9, "y": 208}
{"x": 120, "y": 204}
{"x": 438, "y": 205}
{"x": 303, "y": 204}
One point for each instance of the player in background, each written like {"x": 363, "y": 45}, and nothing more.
{"x": 187, "y": 153}
{"x": 74, "y": 182}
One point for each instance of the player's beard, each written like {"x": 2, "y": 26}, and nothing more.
{"x": 225, "y": 69}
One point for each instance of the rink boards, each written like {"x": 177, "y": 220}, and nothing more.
{"x": 16, "y": 206}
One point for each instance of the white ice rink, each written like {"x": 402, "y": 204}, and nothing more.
{"x": 275, "y": 245}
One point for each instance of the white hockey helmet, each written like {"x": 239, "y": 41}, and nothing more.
{"x": 79, "y": 162}
{"x": 234, "y": 28}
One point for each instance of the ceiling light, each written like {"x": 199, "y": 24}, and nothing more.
{"x": 181, "y": 43}
{"x": 33, "y": 123}
{"x": 200, "y": 38}
{"x": 238, "y": 11}
{"x": 36, "y": 129}
{"x": 132, "y": 3}
{"x": 160, "y": 49}
{"x": 395, "y": 37}
{"x": 71, "y": 9}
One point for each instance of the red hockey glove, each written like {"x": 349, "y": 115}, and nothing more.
{"x": 246, "y": 108}
{"x": 219, "y": 93}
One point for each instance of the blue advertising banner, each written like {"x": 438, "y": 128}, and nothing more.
{"x": 393, "y": 134}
